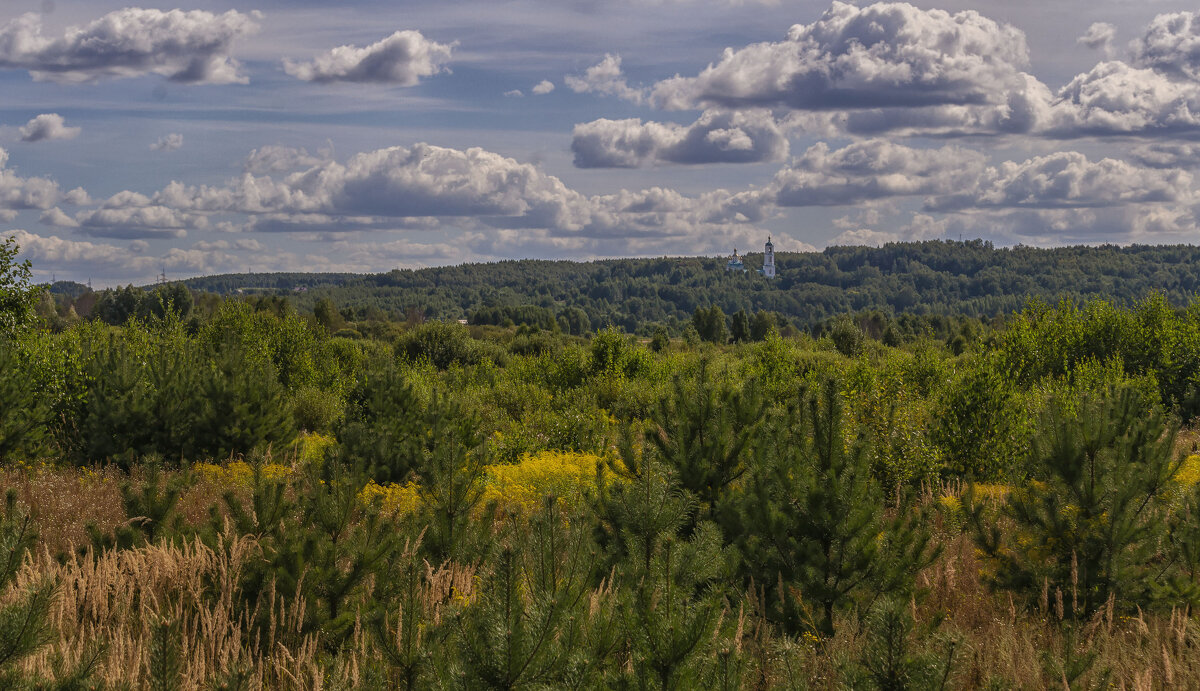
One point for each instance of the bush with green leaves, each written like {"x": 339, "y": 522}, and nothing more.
{"x": 17, "y": 294}
{"x": 442, "y": 344}
{"x": 24, "y": 412}
{"x": 980, "y": 423}
{"x": 614, "y": 354}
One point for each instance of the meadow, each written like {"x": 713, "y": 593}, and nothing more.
{"x": 239, "y": 498}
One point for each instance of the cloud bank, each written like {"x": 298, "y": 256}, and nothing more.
{"x": 187, "y": 47}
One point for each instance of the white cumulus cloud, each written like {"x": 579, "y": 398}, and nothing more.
{"x": 401, "y": 59}
{"x": 190, "y": 47}
{"x": 1171, "y": 43}
{"x": 607, "y": 78}
{"x": 884, "y": 54}
{"x": 47, "y": 127}
{"x": 716, "y": 137}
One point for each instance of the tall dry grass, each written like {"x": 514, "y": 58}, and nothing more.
{"x": 119, "y": 597}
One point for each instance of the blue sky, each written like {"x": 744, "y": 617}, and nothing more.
{"x": 363, "y": 136}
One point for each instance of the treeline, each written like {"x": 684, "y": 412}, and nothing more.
{"x": 972, "y": 279}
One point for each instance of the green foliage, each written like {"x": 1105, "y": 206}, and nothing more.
{"x": 166, "y": 649}
{"x": 530, "y": 624}
{"x": 979, "y": 422}
{"x": 813, "y": 521}
{"x": 450, "y": 472}
{"x": 1089, "y": 523}
{"x": 1151, "y": 339}
{"x": 442, "y": 344}
{"x": 762, "y": 325}
{"x": 847, "y": 337}
{"x": 672, "y": 600}
{"x": 614, "y": 355}
{"x": 150, "y": 510}
{"x": 24, "y": 412}
{"x": 327, "y": 316}
{"x": 316, "y": 410}
{"x": 702, "y": 432}
{"x": 121, "y": 305}
{"x": 17, "y": 296}
{"x": 920, "y": 280}
{"x": 381, "y": 427}
{"x": 740, "y": 331}
{"x": 881, "y": 400}
{"x": 324, "y": 547}
{"x": 710, "y": 324}
{"x": 661, "y": 341}
{"x": 891, "y": 662}
{"x": 163, "y": 396}
{"x": 528, "y": 315}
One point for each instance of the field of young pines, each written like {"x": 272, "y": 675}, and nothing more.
{"x": 230, "y": 496}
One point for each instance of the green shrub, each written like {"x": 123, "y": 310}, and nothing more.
{"x": 25, "y": 412}
{"x": 442, "y": 344}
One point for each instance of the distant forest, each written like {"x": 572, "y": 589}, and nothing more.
{"x": 967, "y": 279}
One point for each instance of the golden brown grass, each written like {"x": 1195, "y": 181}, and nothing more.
{"x": 119, "y": 597}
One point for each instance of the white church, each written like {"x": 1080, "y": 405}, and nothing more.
{"x": 768, "y": 268}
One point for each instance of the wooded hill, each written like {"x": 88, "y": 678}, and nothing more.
{"x": 971, "y": 278}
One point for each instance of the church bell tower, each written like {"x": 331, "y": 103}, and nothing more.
{"x": 768, "y": 270}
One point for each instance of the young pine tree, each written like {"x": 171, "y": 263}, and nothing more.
{"x": 1090, "y": 521}
{"x": 25, "y": 616}
{"x": 703, "y": 431}
{"x": 150, "y": 510}
{"x": 381, "y": 428}
{"x": 24, "y": 625}
{"x": 669, "y": 585}
{"x": 814, "y": 525}
{"x": 450, "y": 472}
{"x": 530, "y": 617}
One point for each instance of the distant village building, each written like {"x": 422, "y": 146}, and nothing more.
{"x": 736, "y": 263}
{"x": 768, "y": 270}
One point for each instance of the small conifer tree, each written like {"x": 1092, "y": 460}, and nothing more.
{"x": 530, "y": 613}
{"x": 1090, "y": 520}
{"x": 704, "y": 429}
{"x": 381, "y": 428}
{"x": 150, "y": 509}
{"x": 451, "y": 471}
{"x": 814, "y": 526}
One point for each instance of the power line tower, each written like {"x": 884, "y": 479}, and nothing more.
{"x": 162, "y": 277}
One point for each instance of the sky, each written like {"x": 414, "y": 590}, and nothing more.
{"x": 368, "y": 135}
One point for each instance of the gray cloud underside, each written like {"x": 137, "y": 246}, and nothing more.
{"x": 716, "y": 137}
{"x": 401, "y": 59}
{"x": 884, "y": 54}
{"x": 189, "y": 47}
{"x": 893, "y": 68}
{"x": 47, "y": 127}
{"x": 954, "y": 179}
